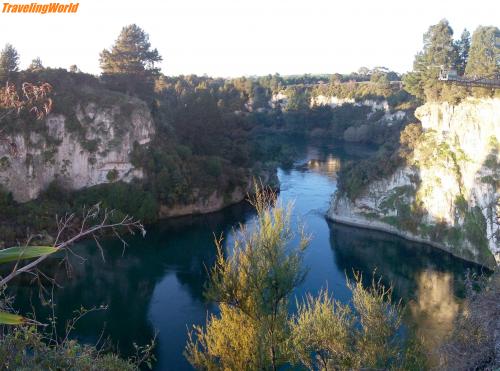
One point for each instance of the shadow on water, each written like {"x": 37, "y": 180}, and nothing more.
{"x": 163, "y": 272}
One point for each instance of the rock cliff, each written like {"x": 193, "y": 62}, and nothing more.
{"x": 88, "y": 147}
{"x": 447, "y": 193}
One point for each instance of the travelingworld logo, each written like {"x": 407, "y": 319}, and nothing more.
{"x": 40, "y": 8}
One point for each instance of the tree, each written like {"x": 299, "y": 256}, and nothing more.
{"x": 129, "y": 66}
{"x": 131, "y": 53}
{"x": 336, "y": 79}
{"x": 253, "y": 330}
{"x": 483, "y": 52}
{"x": 36, "y": 65}
{"x": 438, "y": 52}
{"x": 462, "y": 46}
{"x": 365, "y": 71}
{"x": 252, "y": 286}
{"x": 9, "y": 61}
{"x": 483, "y": 56}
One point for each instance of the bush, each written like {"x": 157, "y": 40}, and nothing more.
{"x": 25, "y": 348}
{"x": 112, "y": 175}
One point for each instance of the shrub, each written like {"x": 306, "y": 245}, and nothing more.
{"x": 25, "y": 349}
{"x": 112, "y": 175}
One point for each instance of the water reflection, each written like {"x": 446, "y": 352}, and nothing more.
{"x": 330, "y": 166}
{"x": 435, "y": 307}
{"x": 428, "y": 280}
{"x": 157, "y": 284}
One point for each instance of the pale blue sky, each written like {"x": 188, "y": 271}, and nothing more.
{"x": 236, "y": 37}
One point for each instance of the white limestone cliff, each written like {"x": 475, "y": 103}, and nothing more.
{"x": 91, "y": 148}
{"x": 450, "y": 186}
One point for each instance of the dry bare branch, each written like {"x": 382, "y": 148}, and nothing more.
{"x": 94, "y": 222}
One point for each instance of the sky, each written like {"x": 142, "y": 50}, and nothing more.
{"x": 231, "y": 38}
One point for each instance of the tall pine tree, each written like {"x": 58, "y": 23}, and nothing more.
{"x": 129, "y": 66}
{"x": 131, "y": 53}
{"x": 439, "y": 52}
{"x": 9, "y": 61}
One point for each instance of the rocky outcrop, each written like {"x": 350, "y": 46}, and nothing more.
{"x": 217, "y": 200}
{"x": 332, "y": 101}
{"x": 203, "y": 205}
{"x": 447, "y": 194}
{"x": 90, "y": 147}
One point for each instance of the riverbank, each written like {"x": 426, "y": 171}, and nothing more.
{"x": 216, "y": 201}
{"x": 386, "y": 228}
{"x": 164, "y": 273}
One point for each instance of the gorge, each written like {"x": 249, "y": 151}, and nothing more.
{"x": 321, "y": 221}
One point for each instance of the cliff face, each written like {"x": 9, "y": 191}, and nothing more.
{"x": 448, "y": 192}
{"x": 216, "y": 200}
{"x": 90, "y": 147}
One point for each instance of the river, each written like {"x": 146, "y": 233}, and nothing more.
{"x": 155, "y": 285}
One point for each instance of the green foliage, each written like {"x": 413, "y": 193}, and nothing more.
{"x": 214, "y": 166}
{"x": 4, "y": 163}
{"x": 321, "y": 333}
{"x": 461, "y": 204}
{"x": 439, "y": 51}
{"x": 327, "y": 334}
{"x": 131, "y": 53}
{"x": 36, "y": 65}
{"x": 112, "y": 175}
{"x": 230, "y": 341}
{"x": 398, "y": 197}
{"x": 10, "y": 319}
{"x": 252, "y": 286}
{"x": 378, "y": 88}
{"x": 409, "y": 138}
{"x": 355, "y": 176}
{"x": 483, "y": 56}
{"x": 24, "y": 348}
{"x": 130, "y": 64}
{"x": 463, "y": 46}
{"x": 126, "y": 199}
{"x": 298, "y": 98}
{"x": 19, "y": 219}
{"x": 9, "y": 61}
{"x": 16, "y": 253}
{"x": 475, "y": 227}
{"x": 476, "y": 57}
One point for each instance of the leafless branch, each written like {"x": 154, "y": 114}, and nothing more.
{"x": 94, "y": 221}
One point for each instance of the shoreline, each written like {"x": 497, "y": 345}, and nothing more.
{"x": 380, "y": 227}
